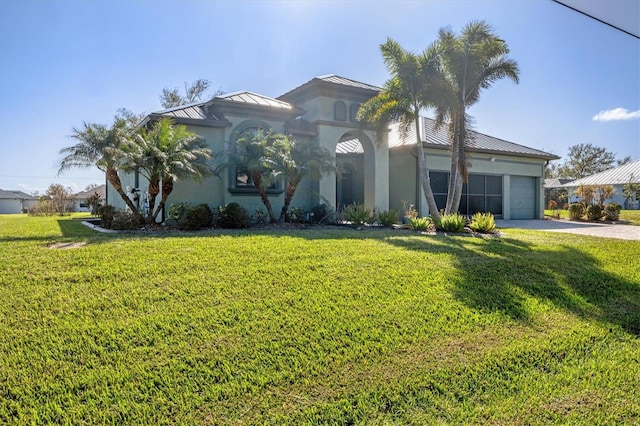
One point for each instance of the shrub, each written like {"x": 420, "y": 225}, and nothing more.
{"x": 358, "y": 214}
{"x": 612, "y": 211}
{"x": 452, "y": 222}
{"x": 576, "y": 211}
{"x": 106, "y": 214}
{"x": 260, "y": 217}
{"x": 594, "y": 212}
{"x": 232, "y": 216}
{"x": 197, "y": 217}
{"x": 295, "y": 215}
{"x": 387, "y": 218}
{"x": 177, "y": 212}
{"x": 420, "y": 223}
{"x": 552, "y": 205}
{"x": 125, "y": 221}
{"x": 323, "y": 214}
{"x": 483, "y": 222}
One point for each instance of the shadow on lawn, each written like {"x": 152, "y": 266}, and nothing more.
{"x": 498, "y": 274}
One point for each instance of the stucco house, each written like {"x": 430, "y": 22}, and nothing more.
{"x": 377, "y": 170}
{"x": 80, "y": 199}
{"x": 616, "y": 177}
{"x": 12, "y": 202}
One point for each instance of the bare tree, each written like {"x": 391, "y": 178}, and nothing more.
{"x": 192, "y": 93}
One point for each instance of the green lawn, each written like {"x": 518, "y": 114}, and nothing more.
{"x": 631, "y": 216}
{"x": 316, "y": 326}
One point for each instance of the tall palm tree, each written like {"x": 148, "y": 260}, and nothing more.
{"x": 296, "y": 159}
{"x": 163, "y": 154}
{"x": 100, "y": 146}
{"x": 468, "y": 64}
{"x": 403, "y": 96}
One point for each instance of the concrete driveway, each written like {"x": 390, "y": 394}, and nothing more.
{"x": 624, "y": 232}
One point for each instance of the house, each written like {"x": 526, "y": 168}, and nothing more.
{"x": 617, "y": 177}
{"x": 378, "y": 170}
{"x": 80, "y": 199}
{"x": 12, "y": 202}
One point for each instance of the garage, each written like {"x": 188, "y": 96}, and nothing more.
{"x": 523, "y": 197}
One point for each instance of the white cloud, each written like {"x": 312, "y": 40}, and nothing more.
{"x": 616, "y": 114}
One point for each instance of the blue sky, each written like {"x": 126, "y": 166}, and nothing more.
{"x": 65, "y": 62}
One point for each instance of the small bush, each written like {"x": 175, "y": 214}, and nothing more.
{"x": 323, "y": 214}
{"x": 594, "y": 212}
{"x": 178, "y": 211}
{"x": 197, "y": 217}
{"x": 483, "y": 222}
{"x": 420, "y": 223}
{"x": 106, "y": 214}
{"x": 612, "y": 211}
{"x": 452, "y": 222}
{"x": 124, "y": 221}
{"x": 260, "y": 217}
{"x": 358, "y": 214}
{"x": 576, "y": 211}
{"x": 232, "y": 216}
{"x": 387, "y": 218}
{"x": 552, "y": 205}
{"x": 295, "y": 215}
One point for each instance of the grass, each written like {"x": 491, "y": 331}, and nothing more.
{"x": 631, "y": 216}
{"x": 316, "y": 326}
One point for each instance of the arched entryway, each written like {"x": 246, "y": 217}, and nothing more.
{"x": 354, "y": 162}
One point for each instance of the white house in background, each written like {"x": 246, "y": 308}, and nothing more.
{"x": 12, "y": 202}
{"x": 379, "y": 171}
{"x": 616, "y": 177}
{"x": 80, "y": 199}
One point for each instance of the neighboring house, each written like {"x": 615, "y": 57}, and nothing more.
{"x": 377, "y": 170}
{"x": 616, "y": 177}
{"x": 12, "y": 202}
{"x": 80, "y": 199}
{"x": 554, "y": 190}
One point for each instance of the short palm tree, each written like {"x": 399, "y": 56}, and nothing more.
{"x": 251, "y": 150}
{"x": 403, "y": 96}
{"x": 468, "y": 64}
{"x": 296, "y": 159}
{"x": 163, "y": 154}
{"x": 100, "y": 146}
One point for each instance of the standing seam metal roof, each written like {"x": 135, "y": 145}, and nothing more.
{"x": 616, "y": 176}
{"x": 255, "y": 99}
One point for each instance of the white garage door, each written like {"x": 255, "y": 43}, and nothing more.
{"x": 523, "y": 197}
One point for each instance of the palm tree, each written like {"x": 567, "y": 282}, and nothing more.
{"x": 163, "y": 154}
{"x": 100, "y": 146}
{"x": 403, "y": 96}
{"x": 469, "y": 63}
{"x": 296, "y": 159}
{"x": 252, "y": 151}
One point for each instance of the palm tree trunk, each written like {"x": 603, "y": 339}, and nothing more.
{"x": 257, "y": 181}
{"x": 167, "y": 189}
{"x": 424, "y": 172}
{"x": 291, "y": 189}
{"x": 114, "y": 180}
{"x": 457, "y": 174}
{"x": 154, "y": 190}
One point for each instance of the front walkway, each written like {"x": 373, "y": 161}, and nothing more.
{"x": 624, "y": 232}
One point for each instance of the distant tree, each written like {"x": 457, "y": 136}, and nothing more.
{"x": 60, "y": 198}
{"x": 585, "y": 160}
{"x": 164, "y": 153}
{"x": 192, "y": 93}
{"x": 93, "y": 201}
{"x": 624, "y": 161}
{"x": 631, "y": 192}
{"x": 91, "y": 186}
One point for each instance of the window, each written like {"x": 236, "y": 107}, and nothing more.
{"x": 240, "y": 178}
{"x": 340, "y": 111}
{"x": 482, "y": 193}
{"x": 353, "y": 112}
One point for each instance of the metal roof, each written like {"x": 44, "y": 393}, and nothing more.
{"x": 195, "y": 111}
{"x": 336, "y": 79}
{"x": 15, "y": 195}
{"x": 100, "y": 189}
{"x": 254, "y": 99}
{"x": 480, "y": 142}
{"x": 616, "y": 176}
{"x": 556, "y": 183}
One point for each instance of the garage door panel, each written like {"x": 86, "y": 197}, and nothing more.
{"x": 523, "y": 197}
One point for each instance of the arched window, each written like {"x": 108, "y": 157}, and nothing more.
{"x": 340, "y": 111}
{"x": 353, "y": 112}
